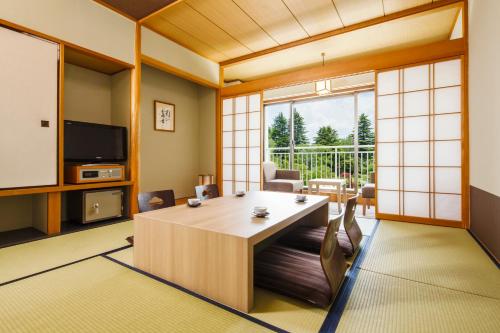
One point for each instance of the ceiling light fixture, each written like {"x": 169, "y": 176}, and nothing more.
{"x": 323, "y": 87}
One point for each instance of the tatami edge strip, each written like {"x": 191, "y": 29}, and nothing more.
{"x": 64, "y": 265}
{"x": 335, "y": 313}
{"x": 203, "y": 298}
{"x": 485, "y": 249}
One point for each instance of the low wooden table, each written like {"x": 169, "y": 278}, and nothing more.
{"x": 210, "y": 249}
{"x": 314, "y": 185}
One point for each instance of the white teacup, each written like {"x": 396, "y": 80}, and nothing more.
{"x": 259, "y": 210}
{"x": 300, "y": 197}
{"x": 194, "y": 201}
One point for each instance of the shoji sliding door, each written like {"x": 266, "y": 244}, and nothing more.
{"x": 241, "y": 143}
{"x": 419, "y": 143}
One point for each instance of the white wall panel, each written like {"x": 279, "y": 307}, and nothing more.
{"x": 173, "y": 54}
{"x": 81, "y": 22}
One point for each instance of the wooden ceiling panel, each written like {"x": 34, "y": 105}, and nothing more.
{"x": 355, "y": 11}
{"x": 392, "y": 6}
{"x": 136, "y": 9}
{"x": 165, "y": 28}
{"x": 229, "y": 17}
{"x": 275, "y": 18}
{"x": 190, "y": 21}
{"x": 316, "y": 16}
{"x": 409, "y": 31}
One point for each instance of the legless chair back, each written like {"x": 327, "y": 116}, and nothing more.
{"x": 155, "y": 200}
{"x": 351, "y": 225}
{"x": 332, "y": 257}
{"x": 205, "y": 192}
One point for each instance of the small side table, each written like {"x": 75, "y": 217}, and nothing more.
{"x": 314, "y": 186}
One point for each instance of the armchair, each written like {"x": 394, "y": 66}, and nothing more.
{"x": 281, "y": 180}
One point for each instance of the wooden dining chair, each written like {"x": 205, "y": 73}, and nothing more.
{"x": 149, "y": 201}
{"x": 205, "y": 192}
{"x": 303, "y": 275}
{"x": 310, "y": 238}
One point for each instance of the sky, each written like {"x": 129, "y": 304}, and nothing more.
{"x": 338, "y": 112}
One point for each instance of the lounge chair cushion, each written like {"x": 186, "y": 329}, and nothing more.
{"x": 269, "y": 169}
{"x": 368, "y": 191}
{"x": 294, "y": 273}
{"x": 297, "y": 185}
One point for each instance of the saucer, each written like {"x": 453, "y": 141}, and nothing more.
{"x": 260, "y": 215}
{"x": 300, "y": 201}
{"x": 194, "y": 206}
{"x": 240, "y": 195}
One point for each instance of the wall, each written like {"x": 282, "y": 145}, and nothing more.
{"x": 87, "y": 95}
{"x": 172, "y": 54}
{"x": 81, "y": 22}
{"x": 173, "y": 160}
{"x": 484, "y": 120}
{"x": 207, "y": 144}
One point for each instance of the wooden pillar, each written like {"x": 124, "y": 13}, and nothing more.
{"x": 53, "y": 213}
{"x": 135, "y": 123}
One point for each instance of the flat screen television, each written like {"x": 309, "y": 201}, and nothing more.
{"x": 93, "y": 143}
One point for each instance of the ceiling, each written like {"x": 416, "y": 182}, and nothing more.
{"x": 414, "y": 30}
{"x": 136, "y": 9}
{"x": 226, "y": 29}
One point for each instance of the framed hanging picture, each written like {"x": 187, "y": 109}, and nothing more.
{"x": 164, "y": 116}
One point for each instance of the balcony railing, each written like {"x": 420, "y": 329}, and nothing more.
{"x": 326, "y": 162}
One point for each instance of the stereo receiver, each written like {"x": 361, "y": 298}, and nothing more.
{"x": 93, "y": 173}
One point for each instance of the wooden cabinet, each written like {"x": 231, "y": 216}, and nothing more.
{"x": 28, "y": 110}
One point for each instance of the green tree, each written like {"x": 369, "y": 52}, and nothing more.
{"x": 366, "y": 136}
{"x": 326, "y": 136}
{"x": 279, "y": 131}
{"x": 299, "y": 129}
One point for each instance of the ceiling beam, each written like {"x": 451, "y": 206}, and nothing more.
{"x": 159, "y": 11}
{"x": 360, "y": 64}
{"x": 357, "y": 26}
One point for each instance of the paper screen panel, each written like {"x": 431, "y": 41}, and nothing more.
{"x": 416, "y": 78}
{"x": 416, "y": 179}
{"x": 416, "y": 154}
{"x": 227, "y": 123}
{"x": 388, "y": 202}
{"x": 388, "y": 106}
{"x": 254, "y": 155}
{"x": 447, "y": 153}
{"x": 448, "y": 127}
{"x": 254, "y": 103}
{"x": 227, "y": 106}
{"x": 388, "y": 154}
{"x": 240, "y": 139}
{"x": 416, "y": 204}
{"x": 416, "y": 103}
{"x": 388, "y": 178}
{"x": 240, "y": 104}
{"x": 254, "y": 120}
{"x": 240, "y": 173}
{"x": 447, "y": 73}
{"x": 227, "y": 155}
{"x": 254, "y": 173}
{"x": 227, "y": 139}
{"x": 240, "y": 121}
{"x": 254, "y": 187}
{"x": 448, "y": 180}
{"x": 387, "y": 130}
{"x": 388, "y": 82}
{"x": 416, "y": 129}
{"x": 448, "y": 206}
{"x": 227, "y": 187}
{"x": 227, "y": 172}
{"x": 448, "y": 100}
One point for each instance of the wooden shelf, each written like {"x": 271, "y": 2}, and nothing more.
{"x": 64, "y": 188}
{"x": 74, "y": 187}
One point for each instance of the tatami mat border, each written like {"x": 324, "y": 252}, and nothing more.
{"x": 64, "y": 265}
{"x": 333, "y": 317}
{"x": 206, "y": 299}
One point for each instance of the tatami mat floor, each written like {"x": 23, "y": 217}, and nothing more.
{"x": 403, "y": 284}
